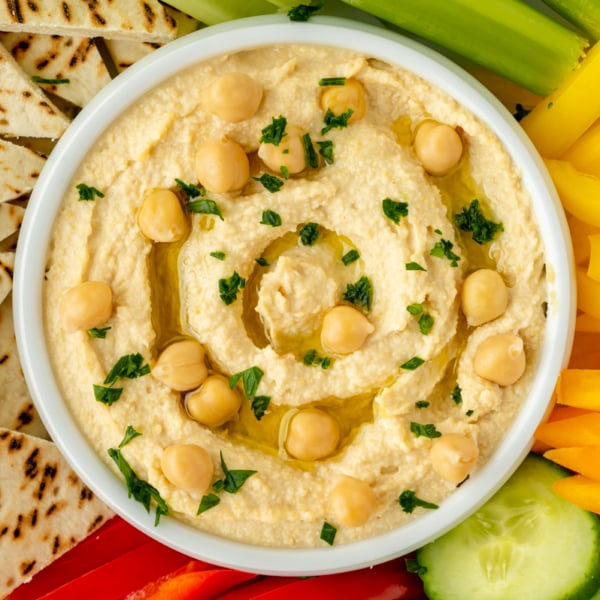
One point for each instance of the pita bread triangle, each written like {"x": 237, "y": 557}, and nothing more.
{"x": 45, "y": 509}
{"x": 19, "y": 170}
{"x": 143, "y": 20}
{"x": 11, "y": 217}
{"x": 73, "y": 61}
{"x": 24, "y": 109}
{"x": 7, "y": 267}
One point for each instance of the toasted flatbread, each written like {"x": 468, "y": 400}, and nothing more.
{"x": 142, "y": 20}
{"x": 19, "y": 170}
{"x": 7, "y": 266}
{"x": 45, "y": 509}
{"x": 11, "y": 217}
{"x": 24, "y": 108}
{"x": 74, "y": 61}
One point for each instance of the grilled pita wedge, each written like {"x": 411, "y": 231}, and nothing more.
{"x": 7, "y": 266}
{"x": 72, "y": 64}
{"x": 11, "y": 217}
{"x": 142, "y": 20}
{"x": 45, "y": 509}
{"x": 24, "y": 109}
{"x": 19, "y": 170}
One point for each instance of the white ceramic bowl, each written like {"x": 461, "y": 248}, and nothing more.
{"x": 112, "y": 101}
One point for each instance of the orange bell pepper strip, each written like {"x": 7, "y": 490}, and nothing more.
{"x": 582, "y": 460}
{"x": 579, "y": 490}
{"x": 579, "y": 388}
{"x": 582, "y": 430}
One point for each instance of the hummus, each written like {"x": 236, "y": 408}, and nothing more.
{"x": 412, "y": 379}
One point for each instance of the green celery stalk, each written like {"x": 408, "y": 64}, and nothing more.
{"x": 584, "y": 14}
{"x": 506, "y": 36}
{"x": 211, "y": 12}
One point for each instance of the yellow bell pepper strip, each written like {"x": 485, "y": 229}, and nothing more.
{"x": 580, "y": 490}
{"x": 582, "y": 460}
{"x": 557, "y": 413}
{"x": 580, "y": 230}
{"x": 579, "y": 192}
{"x": 588, "y": 293}
{"x": 579, "y": 388}
{"x": 563, "y": 117}
{"x": 584, "y": 154}
{"x": 594, "y": 264}
{"x": 587, "y": 323}
{"x": 583, "y": 430}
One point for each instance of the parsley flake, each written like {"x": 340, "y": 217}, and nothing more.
{"x": 274, "y": 133}
{"x": 208, "y": 501}
{"x": 259, "y": 406}
{"x": 130, "y": 434}
{"x": 303, "y": 12}
{"x": 427, "y": 430}
{"x": 414, "y": 363}
{"x": 309, "y": 152}
{"x": 409, "y": 500}
{"x": 270, "y": 182}
{"x": 43, "y": 80}
{"x": 394, "y": 210}
{"x": 421, "y": 404}
{"x": 250, "y": 379}
{"x": 285, "y": 172}
{"x": 107, "y": 395}
{"x": 443, "y": 249}
{"x": 425, "y": 322}
{"x": 413, "y": 566}
{"x": 360, "y": 292}
{"x": 218, "y": 255}
{"x": 88, "y": 192}
{"x": 230, "y": 286}
{"x": 191, "y": 190}
{"x": 328, "y": 532}
{"x": 128, "y": 366}
{"x": 270, "y": 217}
{"x": 350, "y": 257}
{"x": 415, "y": 309}
{"x": 326, "y": 151}
{"x": 263, "y": 262}
{"x": 309, "y": 234}
{"x": 332, "y": 81}
{"x": 332, "y": 120}
{"x": 98, "y": 333}
{"x": 312, "y": 357}
{"x": 233, "y": 479}
{"x": 456, "y": 395}
{"x": 205, "y": 207}
{"x": 414, "y": 266}
{"x": 471, "y": 219}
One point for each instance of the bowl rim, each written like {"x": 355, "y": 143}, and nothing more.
{"x": 116, "y": 97}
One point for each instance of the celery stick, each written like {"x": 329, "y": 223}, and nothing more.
{"x": 211, "y": 12}
{"x": 585, "y": 14}
{"x": 506, "y": 36}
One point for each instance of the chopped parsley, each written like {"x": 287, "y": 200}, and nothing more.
{"x": 421, "y": 404}
{"x": 141, "y": 490}
{"x": 414, "y": 363}
{"x": 415, "y": 309}
{"x": 328, "y": 532}
{"x": 409, "y": 500}
{"x": 218, "y": 255}
{"x": 107, "y": 395}
{"x": 414, "y": 266}
{"x": 425, "y": 322}
{"x": 413, "y": 566}
{"x": 208, "y": 501}
{"x": 130, "y": 434}
{"x": 263, "y": 262}
{"x": 427, "y": 430}
{"x": 360, "y": 293}
{"x": 394, "y": 210}
{"x": 128, "y": 366}
{"x": 259, "y": 406}
{"x": 303, "y": 12}
{"x": 285, "y": 172}
{"x": 350, "y": 257}
{"x": 98, "y": 333}
{"x": 326, "y": 151}
{"x": 206, "y": 207}
{"x": 332, "y": 81}
{"x": 471, "y": 219}
{"x": 250, "y": 379}
{"x": 229, "y": 288}
{"x": 469, "y": 413}
{"x": 456, "y": 395}
{"x": 309, "y": 152}
{"x": 274, "y": 133}
{"x": 443, "y": 249}
{"x": 88, "y": 192}
{"x": 191, "y": 190}
{"x": 270, "y": 217}
{"x": 309, "y": 234}
{"x": 270, "y": 182}
{"x": 312, "y": 358}
{"x": 332, "y": 120}
{"x": 233, "y": 479}
{"x": 43, "y": 80}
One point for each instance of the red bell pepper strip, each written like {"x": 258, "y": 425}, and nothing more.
{"x": 261, "y": 585}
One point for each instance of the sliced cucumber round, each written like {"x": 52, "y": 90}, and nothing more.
{"x": 524, "y": 543}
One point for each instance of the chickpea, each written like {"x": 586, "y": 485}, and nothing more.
{"x": 453, "y": 456}
{"x": 500, "y": 358}
{"x": 289, "y": 153}
{"x": 345, "y": 329}
{"x": 438, "y": 146}
{"x": 161, "y": 217}
{"x": 222, "y": 166}
{"x": 86, "y": 305}
{"x": 484, "y": 296}
{"x": 214, "y": 403}
{"x": 313, "y": 434}
{"x": 188, "y": 467}
{"x": 339, "y": 98}
{"x": 181, "y": 365}
{"x": 352, "y": 501}
{"x": 233, "y": 97}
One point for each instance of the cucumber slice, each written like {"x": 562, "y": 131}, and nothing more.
{"x": 526, "y": 542}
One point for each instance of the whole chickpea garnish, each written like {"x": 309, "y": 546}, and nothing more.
{"x": 86, "y": 305}
{"x": 438, "y": 146}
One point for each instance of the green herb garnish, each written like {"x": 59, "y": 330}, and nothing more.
{"x": 332, "y": 120}
{"x": 412, "y": 364}
{"x": 520, "y": 112}
{"x": 414, "y": 266}
{"x": 233, "y": 479}
{"x": 328, "y": 532}
{"x": 413, "y": 566}
{"x": 250, "y": 379}
{"x": 263, "y": 262}
{"x": 43, "y": 80}
{"x": 130, "y": 434}
{"x": 469, "y": 413}
{"x": 259, "y": 406}
{"x": 128, "y": 366}
{"x": 191, "y": 190}
{"x": 270, "y": 182}
{"x": 270, "y": 217}
{"x": 409, "y": 501}
{"x": 206, "y": 207}
{"x": 443, "y": 249}
{"x": 350, "y": 257}
{"x": 88, "y": 192}
{"x": 229, "y": 288}
{"x": 309, "y": 234}
{"x": 285, "y": 172}
{"x": 309, "y": 152}
{"x": 426, "y": 322}
{"x": 312, "y": 357}
{"x": 415, "y": 309}
{"x": 107, "y": 395}
{"x": 394, "y": 210}
{"x": 98, "y": 333}
{"x": 471, "y": 219}
{"x": 208, "y": 501}
{"x": 427, "y": 430}
{"x": 141, "y": 490}
{"x": 303, "y": 12}
{"x": 421, "y": 404}
{"x": 360, "y": 292}
{"x": 274, "y": 133}
{"x": 326, "y": 151}
{"x": 332, "y": 81}
{"x": 218, "y": 255}
{"x": 456, "y": 395}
